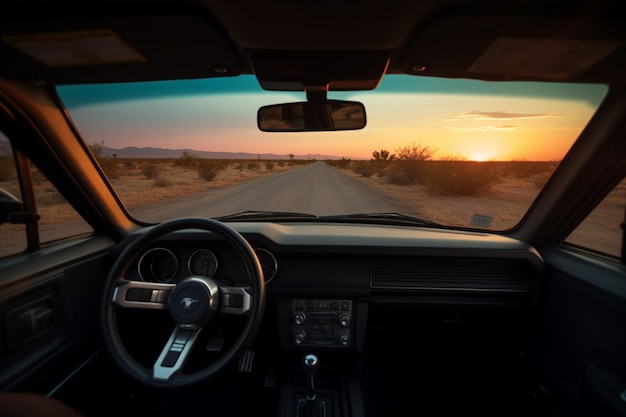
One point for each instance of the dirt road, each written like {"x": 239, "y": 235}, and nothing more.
{"x": 314, "y": 188}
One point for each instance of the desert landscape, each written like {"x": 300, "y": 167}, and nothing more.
{"x": 449, "y": 192}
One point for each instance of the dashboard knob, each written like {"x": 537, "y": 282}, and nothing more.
{"x": 344, "y": 339}
{"x": 299, "y": 318}
{"x": 299, "y": 338}
{"x": 344, "y": 320}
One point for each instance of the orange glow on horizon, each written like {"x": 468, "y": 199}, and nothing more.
{"x": 477, "y": 128}
{"x": 480, "y": 156}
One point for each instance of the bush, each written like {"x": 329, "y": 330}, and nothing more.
{"x": 208, "y": 169}
{"x": 161, "y": 181}
{"x": 364, "y": 168}
{"x": 110, "y": 167}
{"x": 187, "y": 160}
{"x": 399, "y": 178}
{"x": 269, "y": 165}
{"x": 342, "y": 163}
{"x": 253, "y": 165}
{"x": 461, "y": 178}
{"x": 150, "y": 170}
{"x": 410, "y": 171}
{"x": 415, "y": 152}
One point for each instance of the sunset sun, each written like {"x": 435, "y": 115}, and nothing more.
{"x": 480, "y": 156}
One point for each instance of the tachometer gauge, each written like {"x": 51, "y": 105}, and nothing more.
{"x": 158, "y": 264}
{"x": 268, "y": 263}
{"x": 203, "y": 262}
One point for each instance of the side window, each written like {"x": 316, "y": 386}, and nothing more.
{"x": 57, "y": 218}
{"x": 12, "y": 236}
{"x": 601, "y": 231}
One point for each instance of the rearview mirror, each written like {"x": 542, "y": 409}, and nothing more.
{"x": 312, "y": 116}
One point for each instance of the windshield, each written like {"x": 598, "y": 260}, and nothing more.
{"x": 455, "y": 152}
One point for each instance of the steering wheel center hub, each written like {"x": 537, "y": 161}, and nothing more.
{"x": 194, "y": 301}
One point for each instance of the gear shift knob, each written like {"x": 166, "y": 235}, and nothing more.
{"x": 310, "y": 364}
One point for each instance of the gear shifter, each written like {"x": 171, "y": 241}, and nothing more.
{"x": 310, "y": 364}
{"x": 311, "y": 407}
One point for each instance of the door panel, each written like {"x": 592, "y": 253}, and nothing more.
{"x": 581, "y": 338}
{"x": 49, "y": 307}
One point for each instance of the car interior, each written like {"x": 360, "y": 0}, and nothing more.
{"x": 120, "y": 309}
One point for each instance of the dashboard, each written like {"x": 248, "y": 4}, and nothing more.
{"x": 327, "y": 284}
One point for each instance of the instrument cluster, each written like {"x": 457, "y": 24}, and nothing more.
{"x": 161, "y": 264}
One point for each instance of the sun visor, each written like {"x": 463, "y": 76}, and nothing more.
{"x": 339, "y": 70}
{"x": 115, "y": 49}
{"x": 514, "y": 49}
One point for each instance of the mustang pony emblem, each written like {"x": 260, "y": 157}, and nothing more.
{"x": 188, "y": 301}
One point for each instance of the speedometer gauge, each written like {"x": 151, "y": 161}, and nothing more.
{"x": 203, "y": 262}
{"x": 268, "y": 263}
{"x": 158, "y": 264}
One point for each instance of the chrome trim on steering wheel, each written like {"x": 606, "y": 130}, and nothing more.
{"x": 175, "y": 352}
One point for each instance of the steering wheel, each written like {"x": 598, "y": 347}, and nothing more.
{"x": 192, "y": 303}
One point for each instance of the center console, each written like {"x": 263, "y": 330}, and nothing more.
{"x": 322, "y": 323}
{"x": 327, "y": 332}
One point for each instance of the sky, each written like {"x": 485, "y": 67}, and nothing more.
{"x": 455, "y": 118}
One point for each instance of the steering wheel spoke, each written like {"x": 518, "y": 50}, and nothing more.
{"x": 143, "y": 295}
{"x": 235, "y": 300}
{"x": 175, "y": 353}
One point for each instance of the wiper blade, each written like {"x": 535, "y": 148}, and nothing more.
{"x": 251, "y": 215}
{"x": 393, "y": 218}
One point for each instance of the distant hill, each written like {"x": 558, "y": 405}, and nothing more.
{"x": 149, "y": 152}
{"x": 135, "y": 152}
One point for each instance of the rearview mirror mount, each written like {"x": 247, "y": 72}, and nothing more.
{"x": 312, "y": 116}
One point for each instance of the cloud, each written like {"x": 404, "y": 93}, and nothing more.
{"x": 499, "y": 115}
{"x": 504, "y": 128}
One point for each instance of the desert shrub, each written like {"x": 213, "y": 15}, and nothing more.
{"x": 97, "y": 148}
{"x": 363, "y": 168}
{"x": 399, "y": 178}
{"x": 415, "y": 152}
{"x": 383, "y": 155}
{"x": 186, "y": 160}
{"x": 342, "y": 163}
{"x": 269, "y": 165}
{"x": 150, "y": 170}
{"x": 252, "y": 165}
{"x": 162, "y": 181}
{"x": 410, "y": 171}
{"x": 461, "y": 178}
{"x": 110, "y": 167}
{"x": 208, "y": 169}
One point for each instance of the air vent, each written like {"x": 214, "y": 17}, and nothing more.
{"x": 465, "y": 274}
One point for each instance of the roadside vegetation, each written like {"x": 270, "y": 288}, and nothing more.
{"x": 446, "y": 176}
{"x": 400, "y": 176}
{"x": 145, "y": 181}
